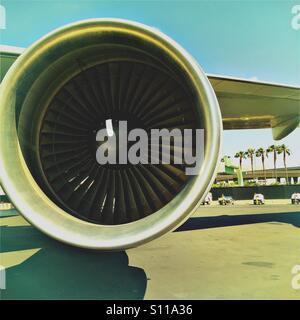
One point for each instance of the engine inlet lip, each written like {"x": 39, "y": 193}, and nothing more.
{"x": 40, "y": 211}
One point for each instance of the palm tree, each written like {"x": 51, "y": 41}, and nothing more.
{"x": 260, "y": 153}
{"x": 274, "y": 149}
{"x": 241, "y": 155}
{"x": 285, "y": 151}
{"x": 250, "y": 154}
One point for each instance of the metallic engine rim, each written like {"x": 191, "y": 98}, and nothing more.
{"x": 40, "y": 211}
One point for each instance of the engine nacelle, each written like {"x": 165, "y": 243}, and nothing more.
{"x": 61, "y": 91}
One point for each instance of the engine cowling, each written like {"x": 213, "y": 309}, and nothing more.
{"x": 61, "y": 91}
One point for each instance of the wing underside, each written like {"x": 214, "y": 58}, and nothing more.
{"x": 249, "y": 104}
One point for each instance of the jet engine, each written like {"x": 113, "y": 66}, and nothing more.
{"x": 61, "y": 91}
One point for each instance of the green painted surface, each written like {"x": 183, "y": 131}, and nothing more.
{"x": 230, "y": 168}
{"x": 6, "y": 60}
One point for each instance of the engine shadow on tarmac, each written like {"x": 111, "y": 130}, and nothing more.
{"x": 196, "y": 223}
{"x": 59, "y": 271}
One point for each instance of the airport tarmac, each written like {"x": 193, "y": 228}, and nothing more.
{"x": 222, "y": 252}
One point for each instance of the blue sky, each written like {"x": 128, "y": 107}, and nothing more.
{"x": 249, "y": 39}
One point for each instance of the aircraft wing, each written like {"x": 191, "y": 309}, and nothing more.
{"x": 244, "y": 104}
{"x": 247, "y": 104}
